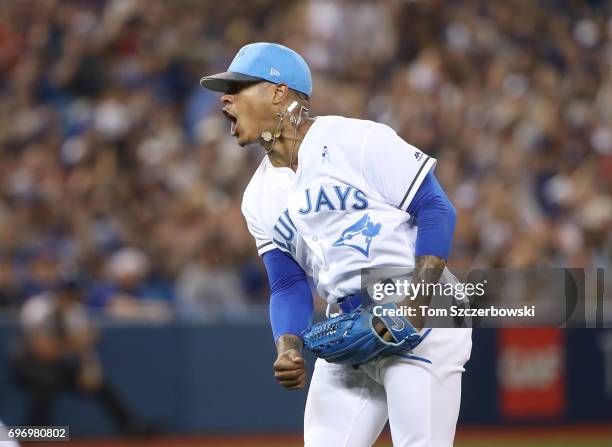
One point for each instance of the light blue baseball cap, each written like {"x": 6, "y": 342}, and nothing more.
{"x": 263, "y": 61}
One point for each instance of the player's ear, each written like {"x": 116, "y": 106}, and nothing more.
{"x": 281, "y": 91}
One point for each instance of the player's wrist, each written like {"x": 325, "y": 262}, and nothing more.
{"x": 428, "y": 270}
{"x": 288, "y": 342}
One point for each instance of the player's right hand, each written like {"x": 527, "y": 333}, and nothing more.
{"x": 290, "y": 369}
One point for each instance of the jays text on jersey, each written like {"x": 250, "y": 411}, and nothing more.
{"x": 344, "y": 208}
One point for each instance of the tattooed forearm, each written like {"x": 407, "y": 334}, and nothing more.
{"x": 287, "y": 342}
{"x": 427, "y": 270}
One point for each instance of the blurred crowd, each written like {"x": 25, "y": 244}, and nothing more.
{"x": 117, "y": 168}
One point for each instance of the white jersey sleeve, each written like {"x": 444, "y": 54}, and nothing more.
{"x": 264, "y": 242}
{"x": 395, "y": 168}
{"x": 264, "y": 200}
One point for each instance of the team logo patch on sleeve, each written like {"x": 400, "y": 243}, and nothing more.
{"x": 359, "y": 236}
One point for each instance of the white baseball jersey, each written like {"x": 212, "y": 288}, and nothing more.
{"x": 344, "y": 210}
{"x": 345, "y": 207}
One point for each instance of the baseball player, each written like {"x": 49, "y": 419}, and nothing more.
{"x": 332, "y": 196}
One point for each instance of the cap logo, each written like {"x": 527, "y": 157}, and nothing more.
{"x": 274, "y": 72}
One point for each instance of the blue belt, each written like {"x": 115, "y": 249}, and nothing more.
{"x": 350, "y": 302}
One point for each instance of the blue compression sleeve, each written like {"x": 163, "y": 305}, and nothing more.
{"x": 291, "y": 299}
{"x": 436, "y": 218}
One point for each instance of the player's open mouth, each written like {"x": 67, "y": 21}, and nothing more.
{"x": 233, "y": 122}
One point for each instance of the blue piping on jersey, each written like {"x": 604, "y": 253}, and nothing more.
{"x": 414, "y": 357}
{"x": 417, "y": 343}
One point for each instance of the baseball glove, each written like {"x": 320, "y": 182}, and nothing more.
{"x": 351, "y": 339}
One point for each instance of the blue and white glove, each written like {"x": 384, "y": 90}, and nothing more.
{"x": 352, "y": 339}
